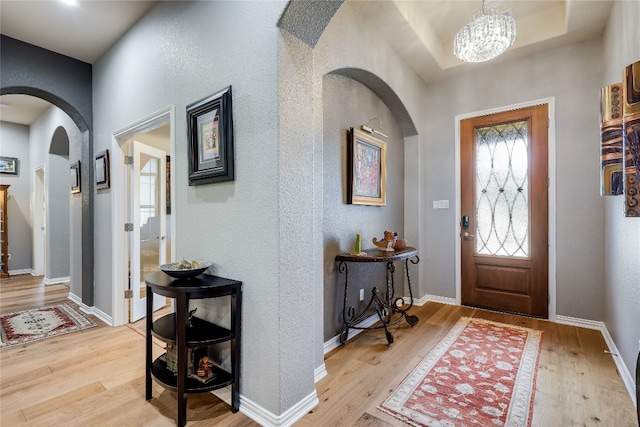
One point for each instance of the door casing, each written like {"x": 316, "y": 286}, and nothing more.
{"x": 120, "y": 203}
{"x": 551, "y": 195}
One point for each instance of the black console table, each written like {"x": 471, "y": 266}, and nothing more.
{"x": 388, "y": 307}
{"x": 176, "y": 329}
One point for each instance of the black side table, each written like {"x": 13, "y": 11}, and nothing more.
{"x": 175, "y": 329}
{"x": 386, "y": 305}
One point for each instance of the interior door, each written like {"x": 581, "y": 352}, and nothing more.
{"x": 148, "y": 217}
{"x": 504, "y": 205}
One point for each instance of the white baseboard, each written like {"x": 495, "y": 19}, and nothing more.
{"x": 319, "y": 373}
{"x": 288, "y": 418}
{"x": 56, "y": 280}
{"x": 334, "y": 342}
{"x": 441, "y": 300}
{"x": 626, "y": 376}
{"x": 91, "y": 310}
{"x": 21, "y": 272}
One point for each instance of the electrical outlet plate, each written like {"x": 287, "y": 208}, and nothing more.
{"x": 361, "y": 294}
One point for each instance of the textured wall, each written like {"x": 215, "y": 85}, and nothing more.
{"x": 575, "y": 85}
{"x": 15, "y": 143}
{"x": 64, "y": 245}
{"x": 622, "y": 235}
{"x": 347, "y": 104}
{"x": 191, "y": 50}
{"x": 66, "y": 83}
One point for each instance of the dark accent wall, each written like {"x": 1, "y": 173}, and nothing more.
{"x": 66, "y": 83}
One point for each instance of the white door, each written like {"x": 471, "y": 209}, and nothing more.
{"x": 39, "y": 231}
{"x": 148, "y": 216}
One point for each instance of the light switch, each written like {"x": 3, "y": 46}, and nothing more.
{"x": 440, "y": 204}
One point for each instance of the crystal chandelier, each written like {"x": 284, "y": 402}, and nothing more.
{"x": 487, "y": 35}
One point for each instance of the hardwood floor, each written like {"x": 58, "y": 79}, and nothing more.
{"x": 96, "y": 377}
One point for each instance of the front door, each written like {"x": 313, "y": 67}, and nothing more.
{"x": 504, "y": 206}
{"x": 148, "y": 213}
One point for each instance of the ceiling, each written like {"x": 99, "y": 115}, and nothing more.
{"x": 421, "y": 31}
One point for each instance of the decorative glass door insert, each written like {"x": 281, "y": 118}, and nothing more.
{"x": 502, "y": 190}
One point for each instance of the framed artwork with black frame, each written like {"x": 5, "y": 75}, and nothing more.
{"x": 367, "y": 169}
{"x": 210, "y": 136}
{"x": 103, "y": 179}
{"x": 74, "y": 177}
{"x": 9, "y": 165}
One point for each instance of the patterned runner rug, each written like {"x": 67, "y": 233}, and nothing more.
{"x": 23, "y": 327}
{"x": 482, "y": 373}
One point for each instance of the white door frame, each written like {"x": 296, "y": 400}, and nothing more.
{"x": 551, "y": 102}
{"x": 120, "y": 203}
{"x": 39, "y": 220}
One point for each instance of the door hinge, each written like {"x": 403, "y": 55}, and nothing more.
{"x": 128, "y": 226}
{"x": 128, "y": 294}
{"x": 128, "y": 160}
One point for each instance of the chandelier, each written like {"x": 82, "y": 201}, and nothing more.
{"x": 487, "y": 35}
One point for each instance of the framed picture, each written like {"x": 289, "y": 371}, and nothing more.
{"x": 210, "y": 136}
{"x": 9, "y": 165}
{"x": 102, "y": 171}
{"x": 74, "y": 177}
{"x": 367, "y": 169}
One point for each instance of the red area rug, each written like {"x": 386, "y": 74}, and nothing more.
{"x": 482, "y": 373}
{"x": 23, "y": 327}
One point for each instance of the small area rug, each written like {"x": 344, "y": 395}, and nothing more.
{"x": 23, "y": 327}
{"x": 482, "y": 373}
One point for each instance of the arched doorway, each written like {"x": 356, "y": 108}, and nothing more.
{"x": 67, "y": 84}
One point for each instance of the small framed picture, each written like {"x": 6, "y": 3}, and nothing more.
{"x": 103, "y": 174}
{"x": 367, "y": 169}
{"x": 74, "y": 177}
{"x": 210, "y": 136}
{"x": 9, "y": 165}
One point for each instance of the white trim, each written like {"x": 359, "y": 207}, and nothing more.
{"x": 119, "y": 205}
{"x": 626, "y": 376}
{"x": 288, "y": 418}
{"x": 334, "y": 342}
{"x": 551, "y": 103}
{"x": 21, "y": 271}
{"x": 91, "y": 310}
{"x": 56, "y": 280}
{"x": 319, "y": 373}
{"x": 441, "y": 300}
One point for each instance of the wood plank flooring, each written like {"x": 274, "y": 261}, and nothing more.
{"x": 96, "y": 377}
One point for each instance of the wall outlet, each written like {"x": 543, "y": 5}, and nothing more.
{"x": 8, "y": 257}
{"x": 361, "y": 294}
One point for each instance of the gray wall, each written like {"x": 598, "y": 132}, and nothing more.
{"x": 189, "y": 51}
{"x": 64, "y": 210}
{"x": 573, "y": 75}
{"x": 347, "y": 104}
{"x": 66, "y": 83}
{"x": 622, "y": 235}
{"x": 15, "y": 143}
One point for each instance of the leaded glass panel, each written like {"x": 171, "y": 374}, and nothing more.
{"x": 502, "y": 190}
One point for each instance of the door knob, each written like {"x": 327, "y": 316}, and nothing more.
{"x": 468, "y": 236}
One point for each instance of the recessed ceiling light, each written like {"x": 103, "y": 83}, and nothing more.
{"x": 70, "y": 2}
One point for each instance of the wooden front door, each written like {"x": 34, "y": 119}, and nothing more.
{"x": 504, "y": 205}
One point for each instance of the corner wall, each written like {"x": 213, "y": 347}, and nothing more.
{"x": 622, "y": 235}
{"x": 191, "y": 50}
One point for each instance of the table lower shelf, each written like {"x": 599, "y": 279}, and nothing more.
{"x": 169, "y": 379}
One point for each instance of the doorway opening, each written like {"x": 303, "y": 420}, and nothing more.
{"x": 143, "y": 226}
{"x": 488, "y": 278}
